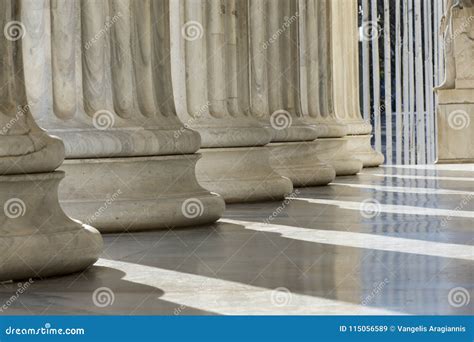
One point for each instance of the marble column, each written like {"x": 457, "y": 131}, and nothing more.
{"x": 345, "y": 70}
{"x": 99, "y": 77}
{"x": 36, "y": 238}
{"x": 316, "y": 86}
{"x": 274, "y": 92}
{"x": 456, "y": 93}
{"x": 210, "y": 71}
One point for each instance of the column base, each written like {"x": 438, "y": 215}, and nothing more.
{"x": 335, "y": 152}
{"x": 138, "y": 193}
{"x": 456, "y": 126}
{"x": 359, "y": 147}
{"x": 299, "y": 162}
{"x": 241, "y": 174}
{"x": 37, "y": 239}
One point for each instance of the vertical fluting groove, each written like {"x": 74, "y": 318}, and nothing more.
{"x": 231, "y": 57}
{"x": 312, "y": 58}
{"x": 340, "y": 63}
{"x": 323, "y": 56}
{"x": 216, "y": 60}
{"x": 7, "y": 72}
{"x": 328, "y": 48}
{"x": 274, "y": 62}
{"x": 243, "y": 62}
{"x": 258, "y": 49}
{"x": 121, "y": 57}
{"x": 141, "y": 55}
{"x": 94, "y": 58}
{"x": 195, "y": 56}
{"x": 63, "y": 57}
{"x": 160, "y": 33}
{"x": 289, "y": 57}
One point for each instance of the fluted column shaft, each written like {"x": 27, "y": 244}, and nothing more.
{"x": 104, "y": 95}
{"x": 211, "y": 71}
{"x": 316, "y": 86}
{"x": 103, "y": 84}
{"x": 275, "y": 92}
{"x": 345, "y": 69}
{"x": 36, "y": 238}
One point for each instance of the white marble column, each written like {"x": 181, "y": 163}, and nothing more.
{"x": 316, "y": 86}
{"x": 100, "y": 79}
{"x": 274, "y": 92}
{"x": 345, "y": 69}
{"x": 210, "y": 73}
{"x": 36, "y": 238}
{"x": 456, "y": 94}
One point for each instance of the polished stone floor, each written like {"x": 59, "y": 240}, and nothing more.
{"x": 392, "y": 240}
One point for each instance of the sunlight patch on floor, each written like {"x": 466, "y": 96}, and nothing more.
{"x": 393, "y": 208}
{"x": 362, "y": 240}
{"x": 406, "y": 190}
{"x": 440, "y": 178}
{"x": 231, "y": 298}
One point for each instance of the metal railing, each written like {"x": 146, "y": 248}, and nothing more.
{"x": 401, "y": 62}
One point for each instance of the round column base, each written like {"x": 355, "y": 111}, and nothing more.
{"x": 36, "y": 238}
{"x": 361, "y": 148}
{"x": 137, "y": 193}
{"x": 241, "y": 174}
{"x": 299, "y": 162}
{"x": 335, "y": 152}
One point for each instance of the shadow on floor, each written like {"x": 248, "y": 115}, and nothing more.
{"x": 96, "y": 291}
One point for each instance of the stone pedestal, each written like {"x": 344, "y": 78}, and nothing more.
{"x": 345, "y": 70}
{"x": 100, "y": 79}
{"x": 456, "y": 94}
{"x": 210, "y": 69}
{"x": 36, "y": 238}
{"x": 316, "y": 87}
{"x": 274, "y": 93}
{"x": 456, "y": 126}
